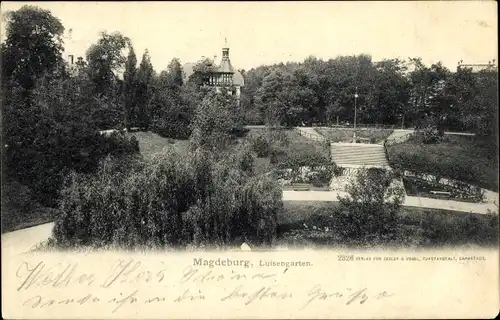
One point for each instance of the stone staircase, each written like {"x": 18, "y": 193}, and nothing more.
{"x": 355, "y": 155}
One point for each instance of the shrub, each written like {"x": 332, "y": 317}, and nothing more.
{"x": 322, "y": 175}
{"x": 171, "y": 128}
{"x": 370, "y": 212}
{"x": 212, "y": 123}
{"x": 41, "y": 159}
{"x": 277, "y": 137}
{"x": 239, "y": 131}
{"x": 271, "y": 142}
{"x": 260, "y": 145}
{"x": 168, "y": 201}
{"x": 438, "y": 229}
{"x": 295, "y": 158}
{"x": 431, "y": 134}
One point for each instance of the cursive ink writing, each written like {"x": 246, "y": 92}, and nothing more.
{"x": 56, "y": 276}
{"x": 262, "y": 293}
{"x": 41, "y": 302}
{"x": 316, "y": 293}
{"x": 131, "y": 298}
{"x": 360, "y": 296}
{"x": 192, "y": 274}
{"x": 188, "y": 296}
{"x": 131, "y": 271}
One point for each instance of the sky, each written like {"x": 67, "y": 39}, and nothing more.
{"x": 273, "y": 32}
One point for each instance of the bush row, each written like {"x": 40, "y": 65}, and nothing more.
{"x": 415, "y": 228}
{"x": 168, "y": 201}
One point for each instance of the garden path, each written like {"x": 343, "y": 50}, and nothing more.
{"x": 21, "y": 241}
{"x": 481, "y": 208}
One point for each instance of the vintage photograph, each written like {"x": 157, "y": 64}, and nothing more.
{"x": 245, "y": 130}
{"x": 227, "y": 160}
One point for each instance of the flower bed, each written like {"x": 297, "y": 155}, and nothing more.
{"x": 317, "y": 177}
{"x": 419, "y": 187}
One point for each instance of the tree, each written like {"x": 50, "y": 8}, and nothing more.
{"x": 370, "y": 211}
{"x": 145, "y": 90}
{"x": 53, "y": 133}
{"x": 200, "y": 70}
{"x": 428, "y": 95}
{"x": 175, "y": 73}
{"x": 277, "y": 99}
{"x": 485, "y": 104}
{"x": 253, "y": 80}
{"x": 33, "y": 46}
{"x": 105, "y": 59}
{"x": 213, "y": 121}
{"x": 306, "y": 83}
{"x": 390, "y": 92}
{"x": 173, "y": 104}
{"x": 129, "y": 88}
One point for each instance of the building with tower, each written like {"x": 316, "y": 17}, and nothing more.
{"x": 218, "y": 76}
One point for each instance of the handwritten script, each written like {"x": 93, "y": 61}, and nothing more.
{"x": 132, "y": 283}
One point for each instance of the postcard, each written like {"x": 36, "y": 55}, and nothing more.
{"x": 201, "y": 160}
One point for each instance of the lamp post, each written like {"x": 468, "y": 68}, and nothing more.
{"x": 355, "y": 107}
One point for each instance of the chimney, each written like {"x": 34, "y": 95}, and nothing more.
{"x": 70, "y": 58}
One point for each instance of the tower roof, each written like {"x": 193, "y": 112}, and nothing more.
{"x": 225, "y": 64}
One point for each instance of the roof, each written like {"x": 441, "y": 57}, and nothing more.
{"x": 238, "y": 79}
{"x": 225, "y": 66}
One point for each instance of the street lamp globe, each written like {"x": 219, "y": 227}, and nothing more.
{"x": 356, "y": 95}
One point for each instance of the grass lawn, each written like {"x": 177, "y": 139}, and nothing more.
{"x": 312, "y": 224}
{"x": 346, "y": 135}
{"x": 302, "y": 144}
{"x": 456, "y": 157}
{"x": 298, "y": 148}
{"x": 151, "y": 143}
{"x": 297, "y": 143}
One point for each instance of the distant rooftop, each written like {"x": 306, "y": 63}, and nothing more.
{"x": 477, "y": 67}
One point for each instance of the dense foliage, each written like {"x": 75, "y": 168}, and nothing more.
{"x": 213, "y": 122}
{"x": 51, "y": 119}
{"x": 371, "y": 209}
{"x": 391, "y": 92}
{"x": 467, "y": 159}
{"x": 312, "y": 224}
{"x": 170, "y": 201}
